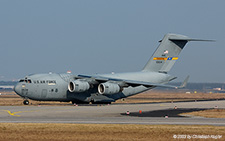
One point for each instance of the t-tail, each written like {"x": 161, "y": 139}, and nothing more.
{"x": 167, "y": 53}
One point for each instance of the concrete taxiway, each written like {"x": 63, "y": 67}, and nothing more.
{"x": 152, "y": 113}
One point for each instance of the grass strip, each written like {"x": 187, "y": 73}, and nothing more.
{"x": 100, "y": 132}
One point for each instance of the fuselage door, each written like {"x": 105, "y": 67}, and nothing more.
{"x": 44, "y": 93}
{"x": 24, "y": 92}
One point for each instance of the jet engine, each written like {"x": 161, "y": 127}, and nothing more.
{"x": 78, "y": 86}
{"x": 108, "y": 88}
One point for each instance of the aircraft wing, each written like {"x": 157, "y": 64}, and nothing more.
{"x": 132, "y": 83}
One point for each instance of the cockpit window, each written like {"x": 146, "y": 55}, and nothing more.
{"x": 21, "y": 80}
{"x": 25, "y": 80}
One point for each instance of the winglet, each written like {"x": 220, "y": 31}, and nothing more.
{"x": 184, "y": 84}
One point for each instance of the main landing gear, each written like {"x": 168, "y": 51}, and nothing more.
{"x": 26, "y": 102}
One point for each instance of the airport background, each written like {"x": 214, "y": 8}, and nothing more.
{"x": 104, "y": 36}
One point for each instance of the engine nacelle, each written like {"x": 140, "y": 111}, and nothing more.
{"x": 78, "y": 86}
{"x": 108, "y": 88}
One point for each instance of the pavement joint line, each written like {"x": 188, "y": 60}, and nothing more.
{"x": 114, "y": 122}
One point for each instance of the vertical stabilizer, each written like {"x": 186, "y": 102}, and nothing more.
{"x": 167, "y": 53}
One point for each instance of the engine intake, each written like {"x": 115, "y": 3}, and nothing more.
{"x": 108, "y": 88}
{"x": 78, "y": 86}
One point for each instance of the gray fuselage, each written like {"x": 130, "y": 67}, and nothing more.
{"x": 54, "y": 87}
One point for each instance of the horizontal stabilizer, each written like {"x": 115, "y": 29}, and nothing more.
{"x": 189, "y": 39}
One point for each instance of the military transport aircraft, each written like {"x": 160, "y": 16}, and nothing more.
{"x": 106, "y": 88}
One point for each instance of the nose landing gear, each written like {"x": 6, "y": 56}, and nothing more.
{"x": 26, "y": 102}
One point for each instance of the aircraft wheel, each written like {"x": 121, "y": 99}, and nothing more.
{"x": 26, "y": 102}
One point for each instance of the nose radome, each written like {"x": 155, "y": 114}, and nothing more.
{"x": 17, "y": 88}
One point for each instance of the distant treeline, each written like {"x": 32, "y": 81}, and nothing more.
{"x": 201, "y": 86}
{"x": 8, "y": 83}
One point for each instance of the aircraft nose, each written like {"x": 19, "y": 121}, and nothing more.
{"x": 17, "y": 89}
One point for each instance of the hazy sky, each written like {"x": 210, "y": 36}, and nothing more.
{"x": 93, "y": 36}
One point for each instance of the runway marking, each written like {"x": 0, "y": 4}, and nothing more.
{"x": 13, "y": 114}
